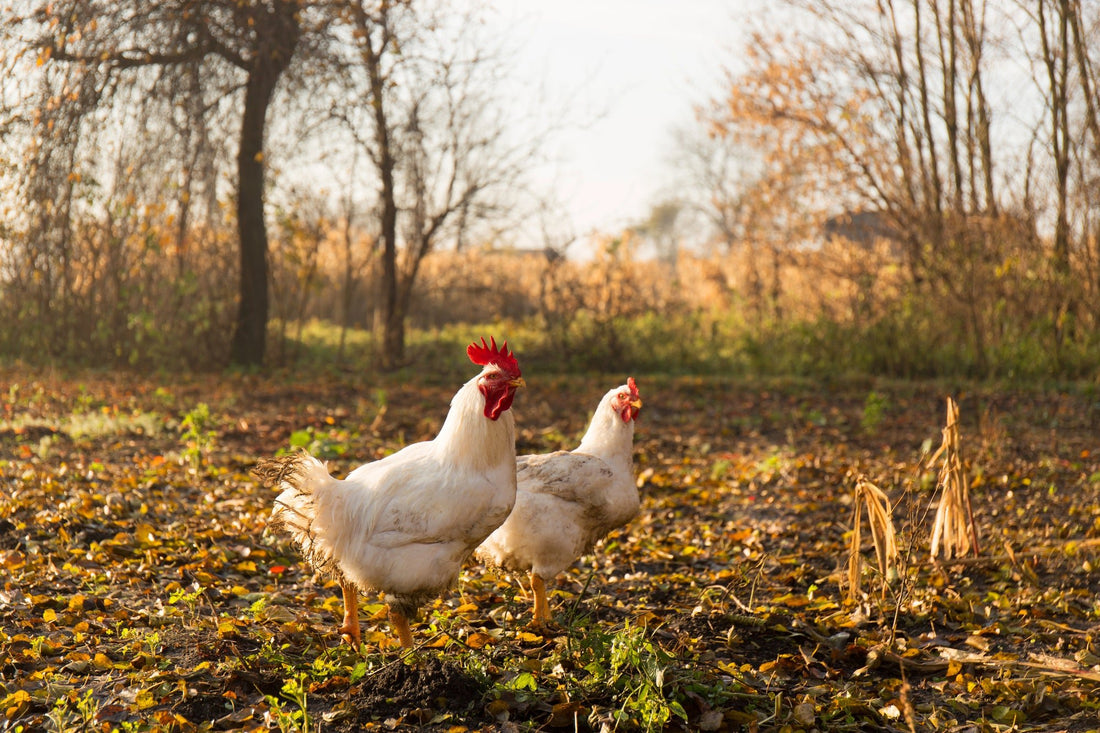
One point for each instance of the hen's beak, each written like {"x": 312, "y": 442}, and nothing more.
{"x": 637, "y": 404}
{"x": 517, "y": 382}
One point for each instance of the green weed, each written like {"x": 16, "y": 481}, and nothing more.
{"x": 189, "y": 598}
{"x": 331, "y": 444}
{"x": 286, "y": 719}
{"x": 874, "y": 408}
{"x": 197, "y": 435}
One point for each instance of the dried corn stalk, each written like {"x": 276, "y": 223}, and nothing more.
{"x": 881, "y": 521}
{"x": 953, "y": 529}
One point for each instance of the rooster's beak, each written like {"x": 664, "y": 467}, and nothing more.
{"x": 637, "y": 404}
{"x": 518, "y": 382}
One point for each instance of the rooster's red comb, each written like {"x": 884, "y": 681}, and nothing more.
{"x": 634, "y": 393}
{"x": 488, "y": 353}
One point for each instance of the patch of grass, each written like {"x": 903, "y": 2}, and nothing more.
{"x": 81, "y": 424}
{"x": 328, "y": 444}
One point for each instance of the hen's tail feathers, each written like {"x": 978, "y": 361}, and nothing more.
{"x": 298, "y": 476}
{"x": 276, "y": 471}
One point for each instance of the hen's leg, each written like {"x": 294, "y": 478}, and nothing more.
{"x": 350, "y": 629}
{"x": 542, "y": 611}
{"x": 401, "y": 626}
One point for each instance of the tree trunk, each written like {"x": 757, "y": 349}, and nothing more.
{"x": 279, "y": 33}
{"x": 1055, "y": 49}
{"x": 250, "y": 336}
{"x": 393, "y": 316}
{"x": 393, "y": 337}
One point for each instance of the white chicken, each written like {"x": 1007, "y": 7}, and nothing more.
{"x": 568, "y": 501}
{"x": 406, "y": 523}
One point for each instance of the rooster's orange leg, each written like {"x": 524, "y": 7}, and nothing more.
{"x": 401, "y": 626}
{"x": 350, "y": 629}
{"x": 542, "y": 611}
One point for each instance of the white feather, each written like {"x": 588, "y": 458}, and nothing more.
{"x": 405, "y": 524}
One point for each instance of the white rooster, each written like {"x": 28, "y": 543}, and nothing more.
{"x": 568, "y": 501}
{"x": 404, "y": 524}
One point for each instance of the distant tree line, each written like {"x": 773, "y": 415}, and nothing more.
{"x": 914, "y": 180}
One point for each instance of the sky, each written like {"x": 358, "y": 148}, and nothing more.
{"x": 630, "y": 72}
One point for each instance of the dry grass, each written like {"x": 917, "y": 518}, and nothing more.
{"x": 881, "y": 522}
{"x": 776, "y": 308}
{"x": 953, "y": 529}
{"x": 841, "y": 281}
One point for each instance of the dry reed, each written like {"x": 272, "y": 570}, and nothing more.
{"x": 881, "y": 521}
{"x": 953, "y": 530}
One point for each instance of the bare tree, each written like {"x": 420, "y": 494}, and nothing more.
{"x": 661, "y": 227}
{"x": 880, "y": 107}
{"x": 1083, "y": 31}
{"x": 438, "y": 138}
{"x": 201, "y": 50}
{"x": 1052, "y": 21}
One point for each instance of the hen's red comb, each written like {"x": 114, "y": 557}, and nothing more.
{"x": 634, "y": 393}
{"x": 489, "y": 353}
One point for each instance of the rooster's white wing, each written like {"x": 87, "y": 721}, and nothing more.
{"x": 410, "y": 498}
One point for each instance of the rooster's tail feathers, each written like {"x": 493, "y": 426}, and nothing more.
{"x": 299, "y": 475}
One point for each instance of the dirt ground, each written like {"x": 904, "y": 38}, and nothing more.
{"x": 141, "y": 588}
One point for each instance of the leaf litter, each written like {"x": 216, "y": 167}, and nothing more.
{"x": 141, "y": 589}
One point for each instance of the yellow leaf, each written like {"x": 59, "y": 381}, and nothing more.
{"x": 49, "y": 615}
{"x": 16, "y": 704}
{"x": 144, "y": 700}
{"x": 144, "y": 534}
{"x": 478, "y": 639}
{"x": 16, "y": 697}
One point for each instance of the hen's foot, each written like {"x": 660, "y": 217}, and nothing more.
{"x": 349, "y": 631}
{"x": 401, "y": 625}
{"x": 545, "y": 627}
{"x": 350, "y": 634}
